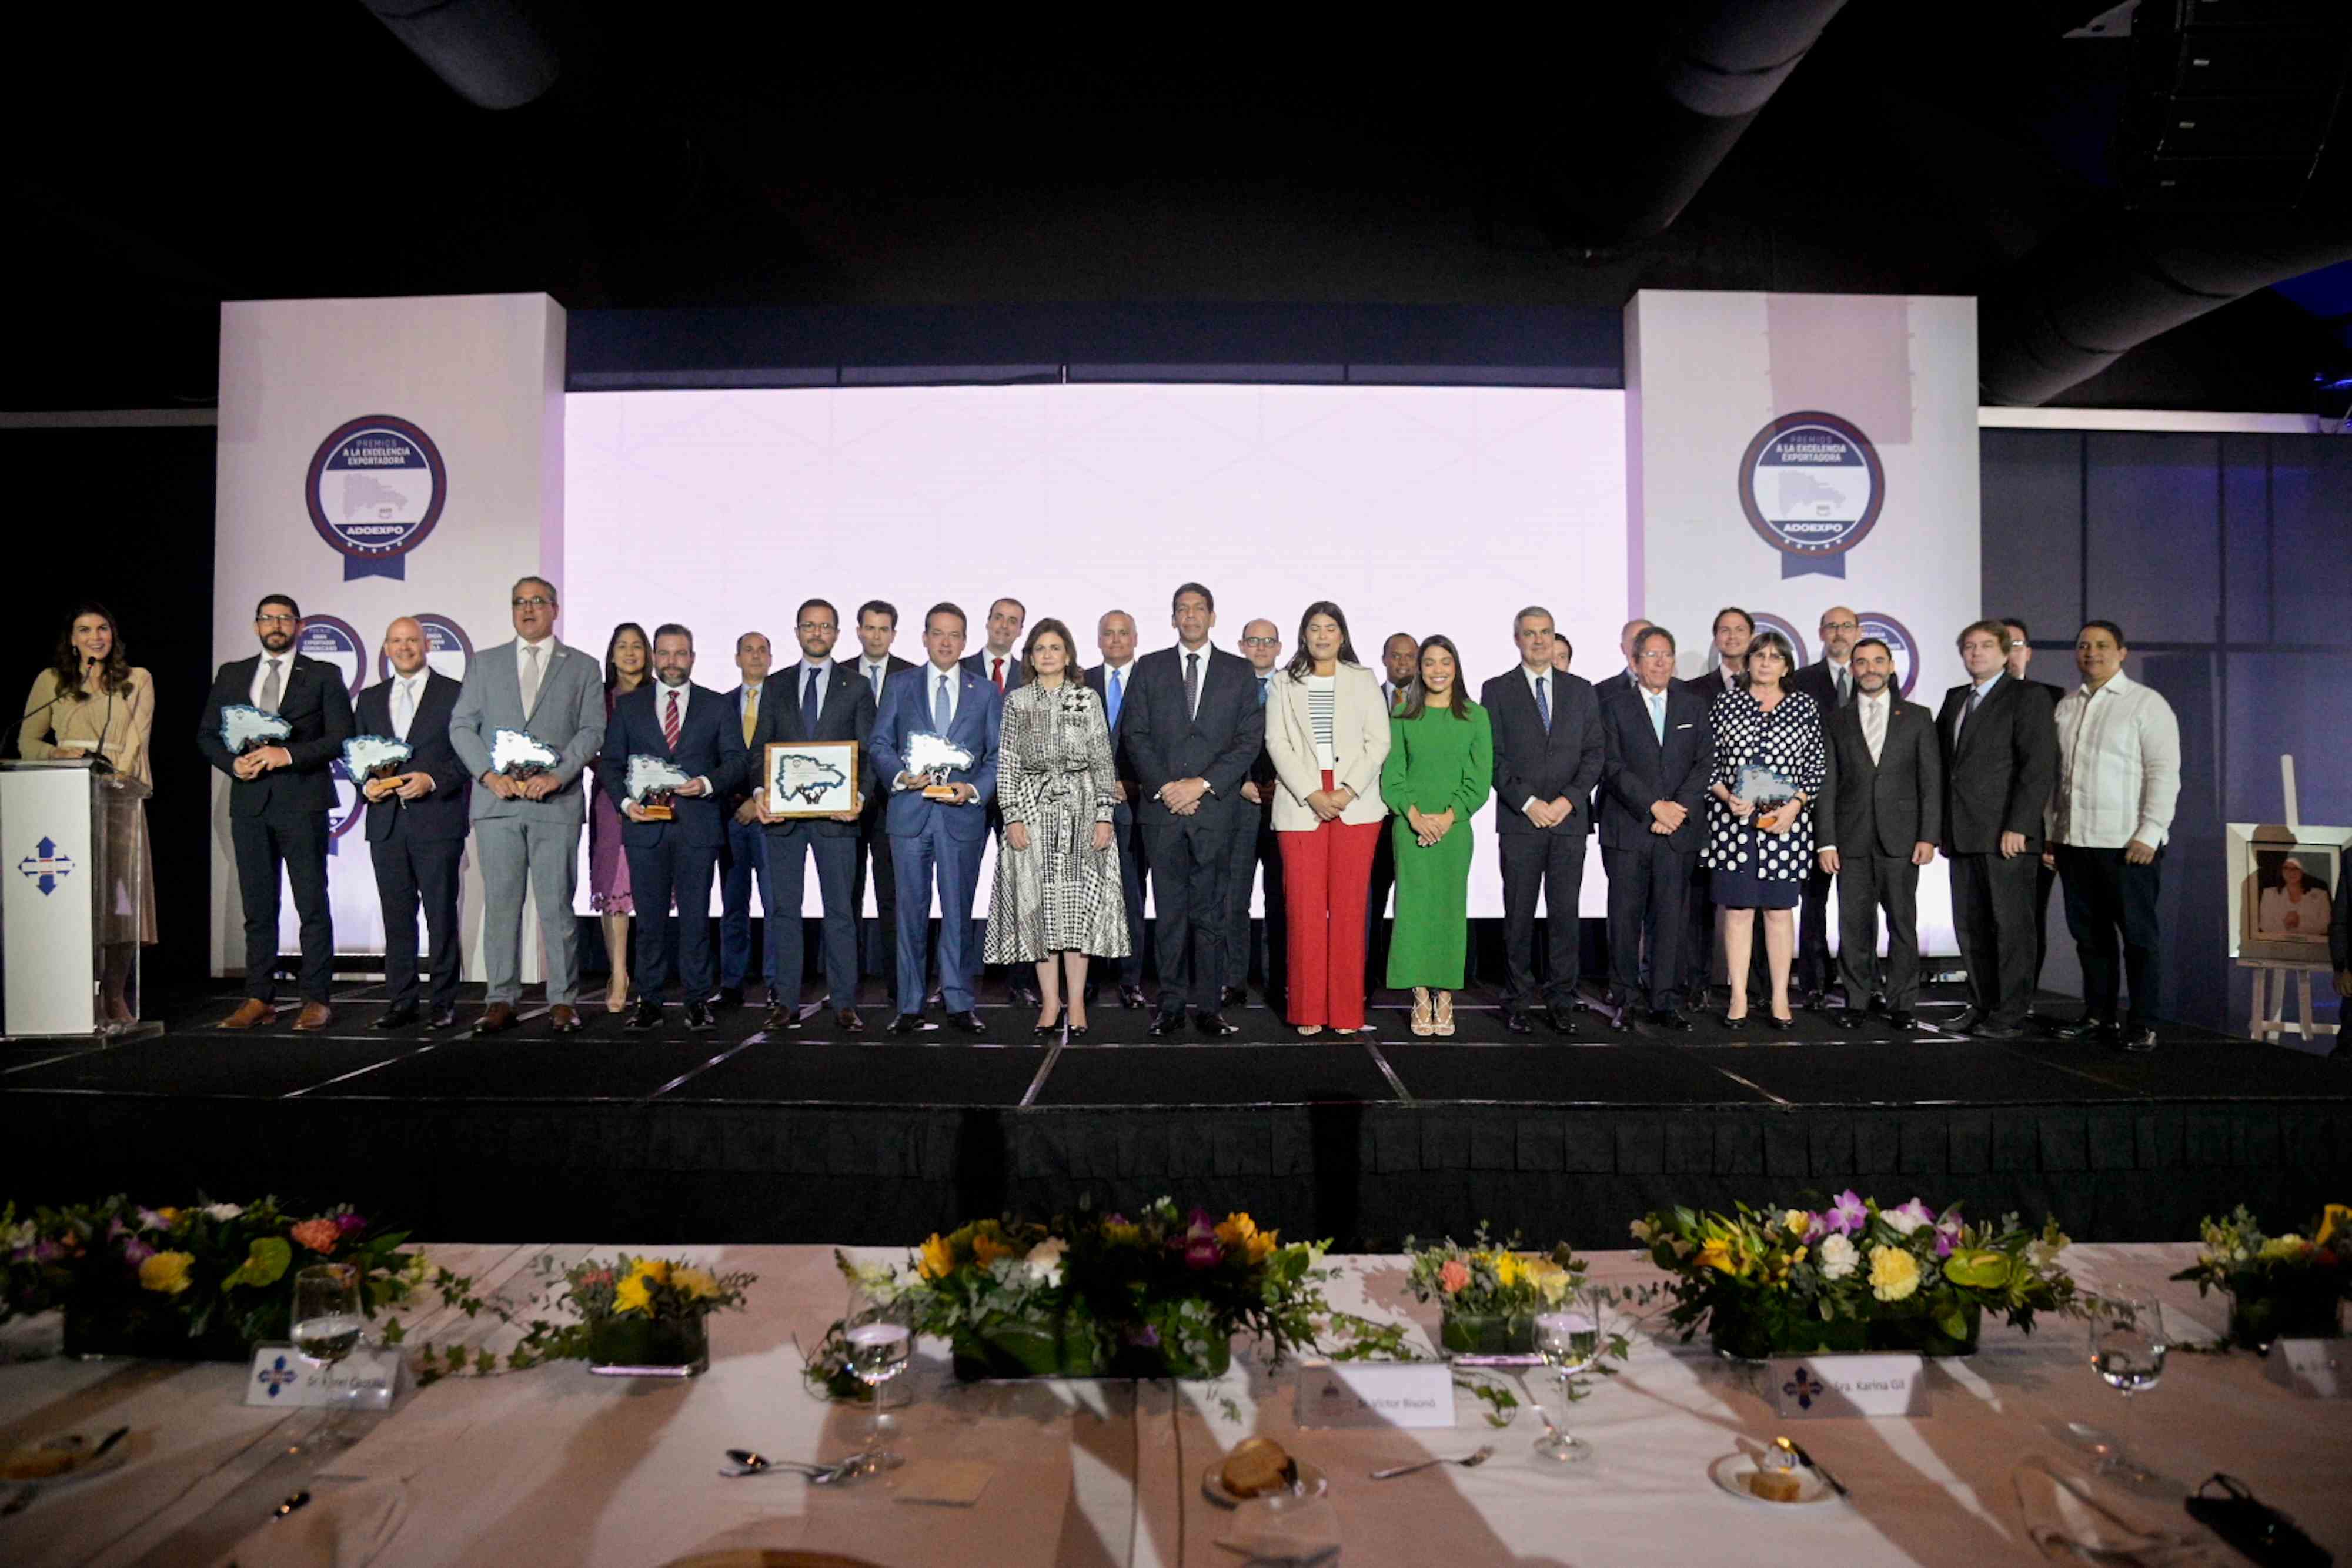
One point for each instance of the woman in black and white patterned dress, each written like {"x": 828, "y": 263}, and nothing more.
{"x": 1056, "y": 899}
{"x": 1756, "y": 859}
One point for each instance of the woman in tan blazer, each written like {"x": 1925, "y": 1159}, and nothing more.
{"x": 1326, "y": 732}
{"x": 92, "y": 703}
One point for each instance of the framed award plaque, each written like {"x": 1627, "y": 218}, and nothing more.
{"x": 813, "y": 777}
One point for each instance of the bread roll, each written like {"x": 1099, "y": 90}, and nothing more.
{"x": 1776, "y": 1486}
{"x": 1256, "y": 1466}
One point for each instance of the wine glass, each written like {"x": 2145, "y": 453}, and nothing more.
{"x": 327, "y": 1325}
{"x": 2127, "y": 1350}
{"x": 880, "y": 1331}
{"x": 1569, "y": 1344}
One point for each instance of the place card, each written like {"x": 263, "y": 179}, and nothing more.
{"x": 1375, "y": 1393}
{"x": 2315, "y": 1368}
{"x": 1812, "y": 1387}
{"x": 284, "y": 1376}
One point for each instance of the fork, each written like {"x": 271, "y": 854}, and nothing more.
{"x": 1467, "y": 1461}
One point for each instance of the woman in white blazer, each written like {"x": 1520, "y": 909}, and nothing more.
{"x": 1326, "y": 734}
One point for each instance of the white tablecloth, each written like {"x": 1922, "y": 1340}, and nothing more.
{"x": 554, "y": 1466}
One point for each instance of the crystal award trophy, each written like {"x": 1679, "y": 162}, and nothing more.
{"x": 934, "y": 757}
{"x": 373, "y": 763}
{"x": 652, "y": 782}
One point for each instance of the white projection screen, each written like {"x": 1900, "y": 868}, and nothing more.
{"x": 1417, "y": 509}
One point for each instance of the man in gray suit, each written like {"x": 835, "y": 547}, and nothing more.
{"x": 528, "y": 830}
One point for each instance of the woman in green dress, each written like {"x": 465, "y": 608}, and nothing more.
{"x": 1440, "y": 767}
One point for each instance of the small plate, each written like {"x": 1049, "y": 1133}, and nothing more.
{"x": 1731, "y": 1471}
{"x": 1312, "y": 1482}
{"x": 72, "y": 1447}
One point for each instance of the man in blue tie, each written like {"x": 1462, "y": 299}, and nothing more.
{"x": 1254, "y": 845}
{"x": 948, "y": 831}
{"x": 1115, "y": 639}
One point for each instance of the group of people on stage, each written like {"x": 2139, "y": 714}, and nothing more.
{"x": 1723, "y": 802}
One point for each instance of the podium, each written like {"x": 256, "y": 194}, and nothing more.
{"x": 71, "y": 844}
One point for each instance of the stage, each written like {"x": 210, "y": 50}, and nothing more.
{"x": 740, "y": 1135}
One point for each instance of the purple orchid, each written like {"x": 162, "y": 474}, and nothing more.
{"x": 1848, "y": 1214}
{"x": 351, "y": 1222}
{"x": 1145, "y": 1335}
{"x": 135, "y": 1252}
{"x": 1205, "y": 1254}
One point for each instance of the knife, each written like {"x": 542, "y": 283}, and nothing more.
{"x": 1796, "y": 1451}
{"x": 109, "y": 1440}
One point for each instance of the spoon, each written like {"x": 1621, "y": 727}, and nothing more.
{"x": 748, "y": 1463}
{"x": 1467, "y": 1461}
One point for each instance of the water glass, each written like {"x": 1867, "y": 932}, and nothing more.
{"x": 326, "y": 1326}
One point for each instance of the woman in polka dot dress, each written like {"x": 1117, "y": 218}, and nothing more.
{"x": 1758, "y": 850}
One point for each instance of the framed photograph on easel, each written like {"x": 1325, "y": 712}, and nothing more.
{"x": 2286, "y": 897}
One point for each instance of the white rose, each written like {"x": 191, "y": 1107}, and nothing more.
{"x": 1904, "y": 1221}
{"x": 1045, "y": 1260}
{"x": 1838, "y": 1257}
{"x": 221, "y": 1213}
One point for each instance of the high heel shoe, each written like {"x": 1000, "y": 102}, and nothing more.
{"x": 1050, "y": 1027}
{"x": 1781, "y": 1025}
{"x": 1422, "y": 1022}
{"x": 1737, "y": 1025}
{"x": 1444, "y": 1022}
{"x": 1077, "y": 1030}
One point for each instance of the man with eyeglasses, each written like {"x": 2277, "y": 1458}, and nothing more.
{"x": 1830, "y": 682}
{"x": 1255, "y": 845}
{"x": 1115, "y": 639}
{"x": 743, "y": 858}
{"x": 527, "y": 831}
{"x": 818, "y": 700}
{"x": 1659, "y": 755}
{"x": 279, "y": 798}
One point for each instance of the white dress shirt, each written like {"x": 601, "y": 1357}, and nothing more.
{"x": 2119, "y": 767}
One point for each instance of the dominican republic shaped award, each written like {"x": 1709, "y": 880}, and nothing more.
{"x": 1764, "y": 788}
{"x": 935, "y": 757}
{"x": 518, "y": 755}
{"x": 373, "y": 763}
{"x": 244, "y": 727}
{"x": 652, "y": 781}
{"x": 811, "y": 779}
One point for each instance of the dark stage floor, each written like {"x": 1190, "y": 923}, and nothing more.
{"x": 739, "y": 1134}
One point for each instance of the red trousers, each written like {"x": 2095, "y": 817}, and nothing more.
{"x": 1327, "y": 874}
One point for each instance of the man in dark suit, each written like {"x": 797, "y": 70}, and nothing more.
{"x": 1734, "y": 629}
{"x": 998, "y": 665}
{"x": 2020, "y": 656}
{"x": 743, "y": 858}
{"x": 816, "y": 700}
{"x": 417, "y": 827}
{"x": 1876, "y": 823}
{"x": 2000, "y": 762}
{"x": 1627, "y": 678}
{"x": 877, "y": 628}
{"x": 1548, "y": 754}
{"x": 279, "y": 798}
{"x": 1115, "y": 639}
{"x": 1660, "y": 754}
{"x": 693, "y": 729}
{"x": 1400, "y": 661}
{"x": 949, "y": 833}
{"x": 1830, "y": 682}
{"x": 1255, "y": 844}
{"x": 1192, "y": 728}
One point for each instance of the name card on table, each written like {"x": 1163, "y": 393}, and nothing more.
{"x": 284, "y": 1376}
{"x": 2315, "y": 1368}
{"x": 1812, "y": 1387}
{"x": 1375, "y": 1393}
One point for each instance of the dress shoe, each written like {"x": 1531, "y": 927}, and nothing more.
{"x": 1166, "y": 1024}
{"x": 251, "y": 1013}
{"x": 1215, "y": 1024}
{"x": 1621, "y": 1020}
{"x": 2082, "y": 1029}
{"x": 1562, "y": 1020}
{"x": 697, "y": 1017}
{"x": 780, "y": 1018}
{"x": 1997, "y": 1032}
{"x": 1901, "y": 1020}
{"x": 1048, "y": 1030}
{"x": 2139, "y": 1041}
{"x": 443, "y": 1018}
{"x": 1232, "y": 995}
{"x": 1878, "y": 1002}
{"x": 1815, "y": 1001}
{"x": 906, "y": 1023}
{"x": 496, "y": 1019}
{"x": 846, "y": 1020}
{"x": 1667, "y": 1018}
{"x": 967, "y": 1021}
{"x": 1131, "y": 997}
{"x": 935, "y": 997}
{"x": 647, "y": 1016}
{"x": 1736, "y": 1025}
{"x": 400, "y": 1017}
{"x": 563, "y": 1019}
{"x": 1964, "y": 1021}
{"x": 316, "y": 1016}
{"x": 1516, "y": 1020}
{"x": 1846, "y": 1019}
{"x": 730, "y": 995}
{"x": 1025, "y": 997}
{"x": 1695, "y": 1000}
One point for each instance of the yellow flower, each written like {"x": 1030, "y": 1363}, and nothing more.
{"x": 1237, "y": 1231}
{"x": 1717, "y": 1254}
{"x": 1510, "y": 1271}
{"x": 2285, "y": 1248}
{"x": 1262, "y": 1245}
{"x": 653, "y": 1268}
{"x": 988, "y": 1247}
{"x": 168, "y": 1216}
{"x": 1796, "y": 1222}
{"x": 1120, "y": 1234}
{"x": 167, "y": 1273}
{"x": 699, "y": 1283}
{"x": 1894, "y": 1273}
{"x": 937, "y": 1261}
{"x": 633, "y": 1295}
{"x": 1551, "y": 1279}
{"x": 2338, "y": 1218}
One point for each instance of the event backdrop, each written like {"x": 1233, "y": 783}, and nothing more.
{"x": 381, "y": 458}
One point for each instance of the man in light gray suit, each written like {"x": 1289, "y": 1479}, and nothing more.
{"x": 530, "y": 828}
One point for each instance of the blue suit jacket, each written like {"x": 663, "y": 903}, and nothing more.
{"x": 710, "y": 746}
{"x": 907, "y": 711}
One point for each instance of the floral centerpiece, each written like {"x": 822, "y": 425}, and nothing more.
{"x": 1853, "y": 1277}
{"x": 1488, "y": 1295}
{"x": 1161, "y": 1294}
{"x": 2289, "y": 1286}
{"x": 208, "y": 1281}
{"x": 649, "y": 1317}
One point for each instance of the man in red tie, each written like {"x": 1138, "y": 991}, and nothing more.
{"x": 995, "y": 664}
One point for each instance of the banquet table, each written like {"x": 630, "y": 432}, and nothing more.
{"x": 550, "y": 1465}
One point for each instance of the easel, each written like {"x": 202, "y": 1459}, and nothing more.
{"x": 2269, "y": 1023}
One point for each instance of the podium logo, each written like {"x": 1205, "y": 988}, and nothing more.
{"x": 1812, "y": 487}
{"x": 376, "y": 488}
{"x": 46, "y": 866}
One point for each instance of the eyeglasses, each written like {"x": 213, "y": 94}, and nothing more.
{"x": 1261, "y": 641}
{"x": 1660, "y": 655}
{"x": 277, "y": 620}
{"x": 1841, "y": 625}
{"x": 534, "y": 602}
{"x": 818, "y": 626}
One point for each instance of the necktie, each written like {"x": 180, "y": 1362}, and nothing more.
{"x": 997, "y": 675}
{"x": 874, "y": 679}
{"x": 272, "y": 688}
{"x": 1118, "y": 696}
{"x": 669, "y": 720}
{"x": 1844, "y": 687}
{"x": 941, "y": 717}
{"x": 1658, "y": 714}
{"x": 529, "y": 678}
{"x": 1873, "y": 725}
{"x": 1192, "y": 684}
{"x": 1261, "y": 689}
{"x": 403, "y": 710}
{"x": 751, "y": 712}
{"x": 808, "y": 707}
{"x": 1543, "y": 703}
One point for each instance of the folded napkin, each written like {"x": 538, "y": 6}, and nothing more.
{"x": 1283, "y": 1531}
{"x": 2065, "y": 1518}
{"x": 341, "y": 1529}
